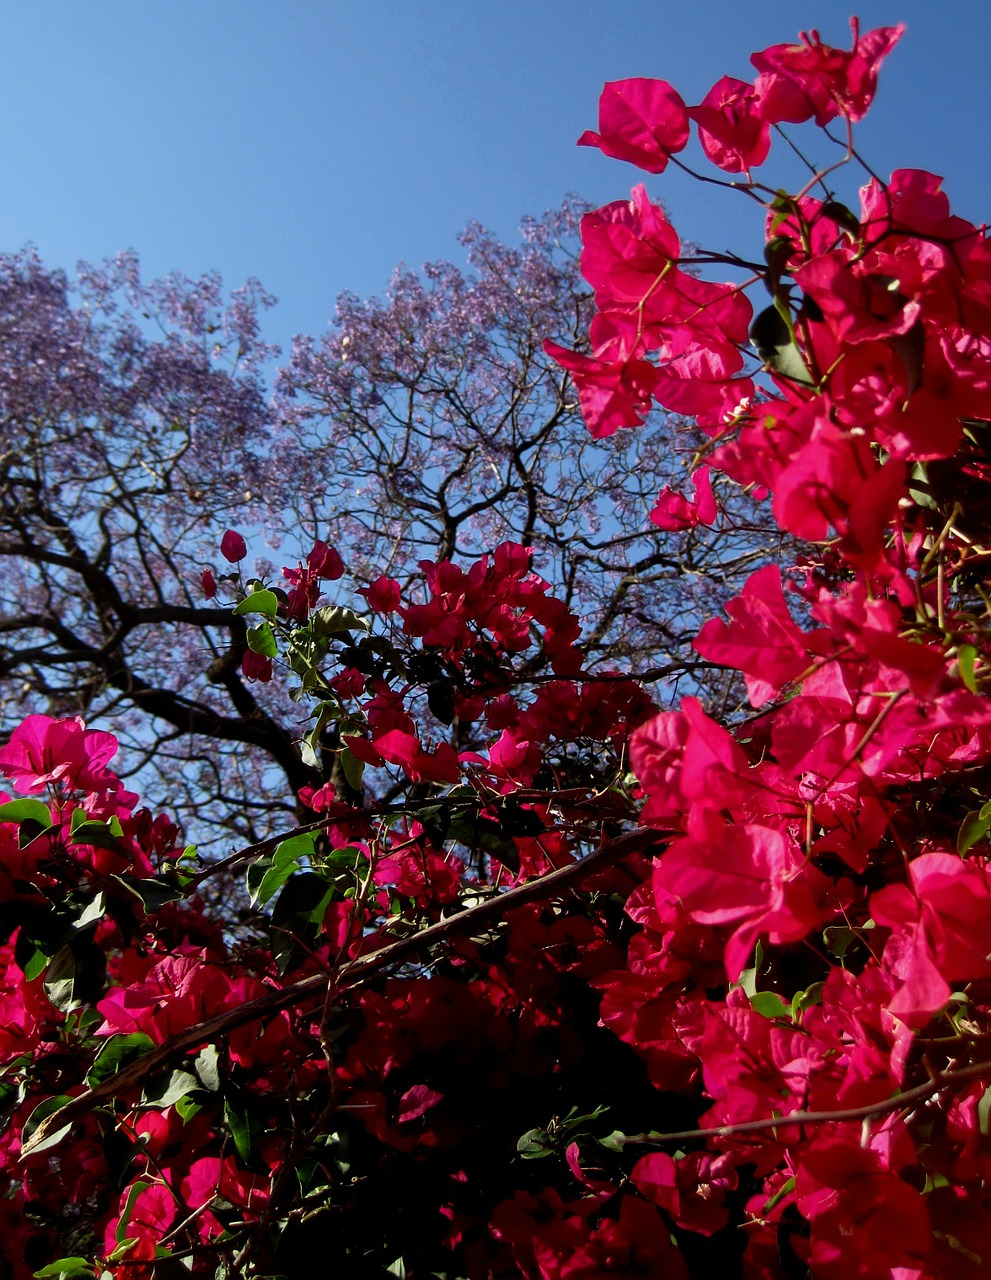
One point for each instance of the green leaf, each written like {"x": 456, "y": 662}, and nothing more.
{"x": 984, "y": 1113}
{"x": 92, "y": 913}
{"x": 769, "y": 1005}
{"x": 777, "y": 251}
{"x": 965, "y": 662}
{"x": 298, "y": 913}
{"x": 785, "y": 1189}
{"x": 29, "y": 831}
{"x": 41, "y": 1112}
{"x": 187, "y": 1107}
{"x": 67, "y": 1267}
{"x": 806, "y": 999}
{"x": 115, "y": 1053}
{"x": 33, "y": 965}
{"x": 748, "y": 977}
{"x": 615, "y": 1141}
{"x": 974, "y": 828}
{"x": 783, "y": 206}
{"x": 334, "y": 618}
{"x": 19, "y": 810}
{"x": 75, "y": 973}
{"x": 153, "y": 892}
{"x": 352, "y": 768}
{"x": 264, "y": 601}
{"x": 535, "y": 1144}
{"x": 838, "y": 938}
{"x": 261, "y": 639}
{"x": 132, "y": 1194}
{"x": 100, "y": 835}
{"x": 165, "y": 1091}
{"x": 237, "y": 1121}
{"x": 207, "y": 1064}
{"x": 284, "y": 861}
{"x": 842, "y": 216}
{"x": 773, "y": 338}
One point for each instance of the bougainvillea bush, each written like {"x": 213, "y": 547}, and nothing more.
{"x": 613, "y": 992}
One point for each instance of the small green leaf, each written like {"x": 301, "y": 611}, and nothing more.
{"x": 773, "y": 338}
{"x": 984, "y": 1113}
{"x": 208, "y": 1069}
{"x": 535, "y": 1144}
{"x": 298, "y": 913}
{"x": 264, "y": 601}
{"x": 769, "y": 1005}
{"x": 785, "y": 1189}
{"x": 261, "y": 639}
{"x": 34, "y": 964}
{"x": 267, "y": 876}
{"x": 783, "y": 206}
{"x": 66, "y": 1267}
{"x": 114, "y": 1053}
{"x": 93, "y": 912}
{"x": 19, "y": 810}
{"x": 806, "y": 999}
{"x": 615, "y": 1141}
{"x": 186, "y": 1108}
{"x": 352, "y": 768}
{"x": 334, "y": 618}
{"x": 165, "y": 1091}
{"x": 777, "y": 251}
{"x": 132, "y": 1194}
{"x": 100, "y": 835}
{"x": 973, "y": 829}
{"x": 153, "y": 892}
{"x": 74, "y": 974}
{"x": 965, "y": 662}
{"x": 842, "y": 216}
{"x": 41, "y": 1112}
{"x": 239, "y": 1125}
{"x": 748, "y": 977}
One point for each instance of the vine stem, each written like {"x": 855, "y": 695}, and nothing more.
{"x": 895, "y": 1103}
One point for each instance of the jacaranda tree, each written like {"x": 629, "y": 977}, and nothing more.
{"x": 553, "y": 984}
{"x": 428, "y": 424}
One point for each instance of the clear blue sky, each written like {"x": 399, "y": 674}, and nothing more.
{"x": 315, "y": 143}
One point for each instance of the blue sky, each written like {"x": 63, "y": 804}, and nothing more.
{"x": 316, "y": 143}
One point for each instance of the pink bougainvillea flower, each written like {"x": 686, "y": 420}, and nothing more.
{"x": 859, "y": 1209}
{"x": 673, "y": 511}
{"x": 324, "y": 562}
{"x": 686, "y": 761}
{"x": 254, "y": 666}
{"x": 612, "y": 394}
{"x": 859, "y": 299}
{"x": 233, "y": 547}
{"x": 745, "y": 875}
{"x": 383, "y": 595}
{"x": 394, "y": 746}
{"x": 211, "y": 1177}
{"x": 691, "y": 1189}
{"x": 835, "y": 82}
{"x": 642, "y": 121}
{"x": 733, "y": 133}
{"x": 208, "y": 584}
{"x": 762, "y": 641}
{"x": 43, "y": 750}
